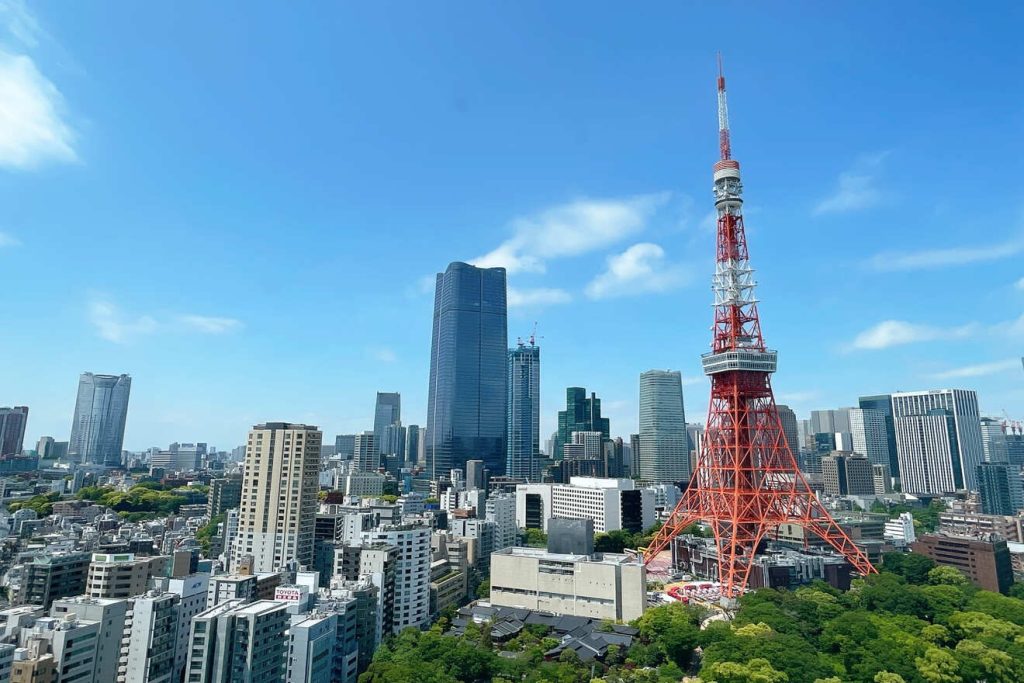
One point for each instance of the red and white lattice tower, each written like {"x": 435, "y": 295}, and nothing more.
{"x": 747, "y": 481}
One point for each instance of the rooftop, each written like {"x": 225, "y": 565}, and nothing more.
{"x": 542, "y": 554}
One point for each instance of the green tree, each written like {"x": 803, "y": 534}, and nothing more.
{"x": 945, "y": 575}
{"x": 753, "y": 671}
{"x": 535, "y": 538}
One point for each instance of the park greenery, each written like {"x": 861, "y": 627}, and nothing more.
{"x": 41, "y": 504}
{"x": 915, "y": 622}
{"x": 926, "y": 518}
{"x": 145, "y": 500}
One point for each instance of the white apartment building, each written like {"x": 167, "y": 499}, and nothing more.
{"x": 110, "y": 614}
{"x": 412, "y": 572}
{"x": 235, "y": 642}
{"x": 150, "y": 639}
{"x": 279, "y": 496}
{"x": 500, "y": 508}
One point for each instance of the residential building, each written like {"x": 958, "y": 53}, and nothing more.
{"x": 900, "y": 531}
{"x": 225, "y": 493}
{"x": 480, "y": 534}
{"x": 31, "y": 666}
{"x": 122, "y": 575}
{"x": 6, "y": 661}
{"x": 883, "y": 403}
{"x": 581, "y": 414}
{"x": 523, "y": 411}
{"x": 598, "y": 586}
{"x": 1000, "y": 488}
{"x": 387, "y": 412}
{"x": 665, "y": 451}
{"x": 847, "y": 474}
{"x": 412, "y": 576}
{"x": 12, "y": 430}
{"x": 239, "y": 643}
{"x": 985, "y": 562}
{"x": 53, "y": 576}
{"x": 366, "y": 456}
{"x": 74, "y": 644}
{"x": 226, "y": 587}
{"x": 324, "y": 647}
{"x": 938, "y": 440}
{"x": 500, "y": 508}
{"x": 279, "y": 496}
{"x": 192, "y": 592}
{"x": 101, "y": 409}
{"x": 151, "y": 639}
{"x": 613, "y": 504}
{"x": 377, "y": 563}
{"x": 111, "y": 614}
{"x": 468, "y": 393}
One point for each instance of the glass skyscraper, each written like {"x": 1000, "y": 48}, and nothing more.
{"x": 386, "y": 412}
{"x": 581, "y": 414}
{"x": 883, "y": 404}
{"x": 97, "y": 432}
{"x": 466, "y": 403}
{"x": 664, "y": 446}
{"x": 523, "y": 411}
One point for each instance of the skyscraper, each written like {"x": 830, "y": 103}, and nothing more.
{"x": 386, "y": 412}
{"x": 993, "y": 440}
{"x": 523, "y": 411}
{"x": 97, "y": 432}
{"x": 664, "y": 450}
{"x": 12, "y": 429}
{"x": 961, "y": 449}
{"x": 279, "y": 496}
{"x": 869, "y": 436}
{"x": 883, "y": 404}
{"x": 581, "y": 414}
{"x": 468, "y": 392}
{"x": 366, "y": 456}
{"x": 413, "y": 434}
{"x": 1000, "y": 488}
{"x": 789, "y": 428}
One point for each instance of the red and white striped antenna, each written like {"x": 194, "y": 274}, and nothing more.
{"x": 723, "y": 114}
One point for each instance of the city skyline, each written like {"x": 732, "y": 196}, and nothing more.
{"x": 629, "y": 171}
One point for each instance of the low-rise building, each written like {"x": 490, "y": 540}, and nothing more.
{"x": 986, "y": 562}
{"x": 600, "y": 586}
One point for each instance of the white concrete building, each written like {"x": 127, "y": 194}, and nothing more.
{"x": 235, "y": 642}
{"x": 412, "y": 575}
{"x": 600, "y": 586}
{"x": 501, "y": 509}
{"x": 192, "y": 592}
{"x": 110, "y": 614}
{"x": 533, "y": 506}
{"x": 900, "y": 531}
{"x": 150, "y": 639}
{"x": 612, "y": 503}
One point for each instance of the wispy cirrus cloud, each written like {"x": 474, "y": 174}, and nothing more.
{"x": 579, "y": 227}
{"x": 111, "y": 323}
{"x": 33, "y": 127}
{"x": 639, "y": 269}
{"x": 980, "y": 370}
{"x": 950, "y": 256}
{"x": 383, "y": 354}
{"x": 114, "y": 325}
{"x": 537, "y": 297}
{"x": 209, "y": 324}
{"x": 889, "y": 333}
{"x": 8, "y": 240}
{"x": 856, "y": 189}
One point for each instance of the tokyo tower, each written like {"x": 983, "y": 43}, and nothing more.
{"x": 747, "y": 481}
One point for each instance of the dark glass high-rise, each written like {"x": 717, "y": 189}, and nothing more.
{"x": 468, "y": 393}
{"x": 101, "y": 409}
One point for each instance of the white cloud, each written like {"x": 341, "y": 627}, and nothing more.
{"x": 32, "y": 129}
{"x": 383, "y": 354}
{"x": 8, "y": 240}
{"x": 953, "y": 256}
{"x": 209, "y": 325}
{"x": 980, "y": 370}
{"x": 1019, "y": 284}
{"x": 898, "y": 332}
{"x": 537, "y": 297}
{"x": 571, "y": 229}
{"x": 641, "y": 268}
{"x": 112, "y": 325}
{"x": 856, "y": 189}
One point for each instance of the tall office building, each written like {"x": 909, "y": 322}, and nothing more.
{"x": 366, "y": 456}
{"x": 830, "y": 421}
{"x": 413, "y": 435}
{"x": 993, "y": 441}
{"x": 789, "y": 428}
{"x": 847, "y": 474}
{"x": 581, "y": 414}
{"x": 957, "y": 446}
{"x": 664, "y": 449}
{"x": 883, "y": 404}
{"x": 344, "y": 446}
{"x": 468, "y": 392}
{"x": 867, "y": 427}
{"x": 387, "y": 412}
{"x": 12, "y": 429}
{"x": 279, "y": 496}
{"x": 1000, "y": 488}
{"x": 523, "y": 411}
{"x": 97, "y": 432}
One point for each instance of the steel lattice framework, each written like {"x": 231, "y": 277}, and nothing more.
{"x": 747, "y": 481}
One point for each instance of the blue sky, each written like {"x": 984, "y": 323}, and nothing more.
{"x": 239, "y": 203}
